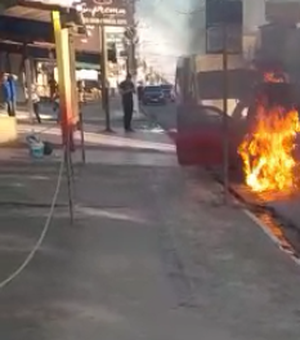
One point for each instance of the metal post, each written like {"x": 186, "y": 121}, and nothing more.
{"x": 128, "y": 57}
{"x": 105, "y": 90}
{"x": 74, "y": 91}
{"x": 225, "y": 117}
{"x": 134, "y": 73}
{"x": 62, "y": 45}
{"x": 68, "y": 164}
{"x": 83, "y": 157}
{"x": 28, "y": 77}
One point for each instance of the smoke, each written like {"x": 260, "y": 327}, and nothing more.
{"x": 171, "y": 28}
{"x": 163, "y": 27}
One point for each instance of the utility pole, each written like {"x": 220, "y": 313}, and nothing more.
{"x": 129, "y": 35}
{"x": 232, "y": 44}
{"x": 65, "y": 68}
{"x": 104, "y": 85}
{"x": 225, "y": 115}
{"x": 128, "y": 57}
{"x": 131, "y": 39}
{"x": 28, "y": 76}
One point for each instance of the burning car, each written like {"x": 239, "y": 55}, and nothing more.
{"x": 268, "y": 148}
{"x": 262, "y": 128}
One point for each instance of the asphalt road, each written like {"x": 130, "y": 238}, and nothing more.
{"x": 164, "y": 115}
{"x": 151, "y": 256}
{"x": 284, "y": 207}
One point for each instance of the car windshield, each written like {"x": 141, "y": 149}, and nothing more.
{"x": 151, "y": 89}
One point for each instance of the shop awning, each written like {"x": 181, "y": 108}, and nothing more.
{"x": 43, "y": 52}
{"x": 31, "y": 24}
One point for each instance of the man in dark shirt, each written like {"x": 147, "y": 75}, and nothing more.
{"x": 127, "y": 89}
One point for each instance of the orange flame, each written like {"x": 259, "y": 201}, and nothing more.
{"x": 270, "y": 77}
{"x": 267, "y": 152}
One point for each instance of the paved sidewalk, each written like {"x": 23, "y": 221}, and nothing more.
{"x": 127, "y": 147}
{"x": 151, "y": 256}
{"x": 92, "y": 111}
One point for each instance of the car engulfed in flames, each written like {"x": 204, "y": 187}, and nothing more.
{"x": 268, "y": 149}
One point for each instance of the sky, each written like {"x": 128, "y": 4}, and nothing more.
{"x": 170, "y": 28}
{"x": 162, "y": 30}
{"x": 167, "y": 28}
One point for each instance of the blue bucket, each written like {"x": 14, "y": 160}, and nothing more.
{"x": 37, "y": 150}
{"x": 36, "y": 147}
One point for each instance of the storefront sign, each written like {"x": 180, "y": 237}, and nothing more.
{"x": 221, "y": 14}
{"x": 105, "y": 12}
{"x": 215, "y": 39}
{"x": 92, "y": 21}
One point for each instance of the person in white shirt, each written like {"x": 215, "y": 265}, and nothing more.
{"x": 35, "y": 102}
{"x": 35, "y": 98}
{"x": 113, "y": 86}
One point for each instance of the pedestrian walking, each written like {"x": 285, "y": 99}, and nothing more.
{"x": 6, "y": 94}
{"x": 36, "y": 103}
{"x": 35, "y": 99}
{"x": 81, "y": 91}
{"x": 126, "y": 90}
{"x": 13, "y": 91}
{"x": 56, "y": 109}
{"x": 53, "y": 86}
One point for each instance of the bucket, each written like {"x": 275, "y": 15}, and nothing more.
{"x": 37, "y": 150}
{"x": 36, "y": 147}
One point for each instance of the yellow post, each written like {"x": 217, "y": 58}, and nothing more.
{"x": 63, "y": 57}
{"x": 64, "y": 78}
{"x": 74, "y": 91}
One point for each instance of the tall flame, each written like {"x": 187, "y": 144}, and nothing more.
{"x": 270, "y": 77}
{"x": 267, "y": 152}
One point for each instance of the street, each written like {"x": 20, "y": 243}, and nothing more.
{"x": 164, "y": 115}
{"x": 115, "y": 229}
{"x": 152, "y": 253}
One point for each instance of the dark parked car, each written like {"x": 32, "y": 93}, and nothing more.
{"x": 168, "y": 92}
{"x": 153, "y": 95}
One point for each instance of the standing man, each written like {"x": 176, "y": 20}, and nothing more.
{"x": 13, "y": 92}
{"x": 127, "y": 89}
